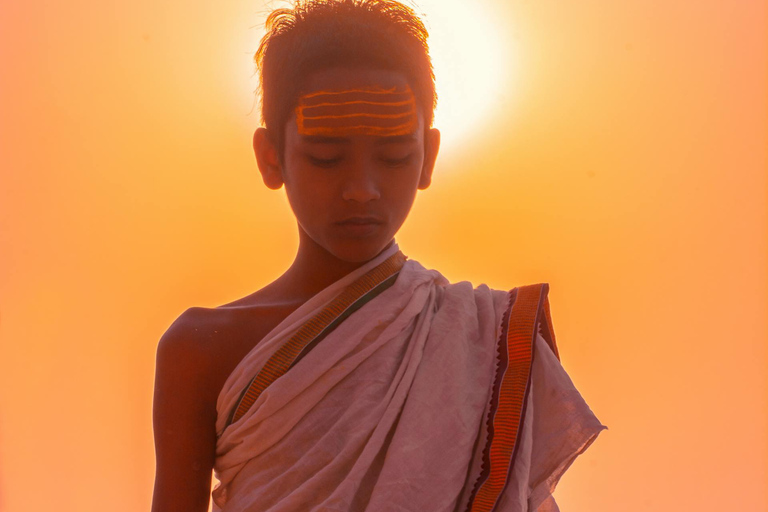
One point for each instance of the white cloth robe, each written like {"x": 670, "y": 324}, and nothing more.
{"x": 388, "y": 412}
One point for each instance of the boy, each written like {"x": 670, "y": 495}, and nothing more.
{"x": 358, "y": 380}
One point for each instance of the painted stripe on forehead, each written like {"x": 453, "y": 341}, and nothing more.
{"x": 367, "y": 111}
{"x": 346, "y": 109}
{"x": 355, "y": 102}
{"x": 370, "y": 91}
{"x": 360, "y": 114}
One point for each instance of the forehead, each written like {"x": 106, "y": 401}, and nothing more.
{"x": 350, "y": 78}
{"x": 343, "y": 102}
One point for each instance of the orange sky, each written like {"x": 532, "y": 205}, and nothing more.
{"x": 625, "y": 163}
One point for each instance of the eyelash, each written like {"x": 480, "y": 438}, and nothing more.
{"x": 330, "y": 162}
{"x": 396, "y": 162}
{"x": 323, "y": 162}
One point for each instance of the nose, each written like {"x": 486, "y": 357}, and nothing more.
{"x": 360, "y": 185}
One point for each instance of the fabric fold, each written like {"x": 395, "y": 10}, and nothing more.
{"x": 387, "y": 411}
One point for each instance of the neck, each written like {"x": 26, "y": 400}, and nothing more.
{"x": 314, "y": 268}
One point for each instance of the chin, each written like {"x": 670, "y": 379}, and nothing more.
{"x": 358, "y": 251}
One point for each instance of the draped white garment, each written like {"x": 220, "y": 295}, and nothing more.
{"x": 387, "y": 413}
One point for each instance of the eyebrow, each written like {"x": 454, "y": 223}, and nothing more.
{"x": 397, "y": 139}
{"x": 321, "y": 139}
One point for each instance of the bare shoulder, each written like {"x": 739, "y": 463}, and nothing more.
{"x": 187, "y": 339}
{"x": 195, "y": 326}
{"x": 194, "y": 357}
{"x": 189, "y": 363}
{"x": 206, "y": 344}
{"x": 194, "y": 334}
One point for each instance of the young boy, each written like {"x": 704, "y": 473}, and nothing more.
{"x": 358, "y": 380}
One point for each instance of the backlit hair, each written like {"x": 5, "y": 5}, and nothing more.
{"x": 319, "y": 34}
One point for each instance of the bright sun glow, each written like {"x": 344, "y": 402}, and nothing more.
{"x": 472, "y": 62}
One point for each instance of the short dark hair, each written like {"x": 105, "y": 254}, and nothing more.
{"x": 321, "y": 34}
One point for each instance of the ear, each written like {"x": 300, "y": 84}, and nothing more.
{"x": 431, "y": 147}
{"x": 268, "y": 159}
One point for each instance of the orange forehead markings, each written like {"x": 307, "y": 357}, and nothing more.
{"x": 356, "y": 130}
{"x": 371, "y": 111}
{"x": 371, "y": 90}
{"x": 361, "y": 114}
{"x": 362, "y": 102}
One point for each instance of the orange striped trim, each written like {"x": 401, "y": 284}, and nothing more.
{"x": 285, "y": 356}
{"x": 528, "y": 311}
{"x": 373, "y": 111}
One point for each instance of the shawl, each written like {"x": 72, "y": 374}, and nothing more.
{"x": 394, "y": 390}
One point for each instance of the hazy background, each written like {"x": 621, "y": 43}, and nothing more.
{"x": 616, "y": 149}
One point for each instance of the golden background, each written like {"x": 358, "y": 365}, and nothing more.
{"x": 622, "y": 158}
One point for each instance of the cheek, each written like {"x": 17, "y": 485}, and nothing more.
{"x": 402, "y": 192}
{"x": 308, "y": 195}
{"x": 407, "y": 183}
{"x": 299, "y": 196}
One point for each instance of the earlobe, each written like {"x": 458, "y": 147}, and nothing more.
{"x": 268, "y": 159}
{"x": 431, "y": 147}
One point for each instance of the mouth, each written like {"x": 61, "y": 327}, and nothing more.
{"x": 360, "y": 226}
{"x": 360, "y": 221}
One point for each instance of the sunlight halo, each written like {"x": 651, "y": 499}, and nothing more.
{"x": 472, "y": 61}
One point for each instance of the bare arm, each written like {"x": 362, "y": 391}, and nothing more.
{"x": 184, "y": 418}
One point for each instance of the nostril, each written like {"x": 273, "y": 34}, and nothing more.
{"x": 360, "y": 195}
{"x": 360, "y": 191}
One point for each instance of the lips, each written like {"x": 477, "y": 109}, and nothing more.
{"x": 361, "y": 220}
{"x": 360, "y": 226}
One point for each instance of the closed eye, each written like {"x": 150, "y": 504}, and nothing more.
{"x": 396, "y": 162}
{"x": 323, "y": 162}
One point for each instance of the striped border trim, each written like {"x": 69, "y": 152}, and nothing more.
{"x": 347, "y": 312}
{"x": 510, "y": 390}
{"x": 352, "y": 298}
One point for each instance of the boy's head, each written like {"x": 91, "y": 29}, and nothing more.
{"x": 347, "y": 101}
{"x": 320, "y": 34}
